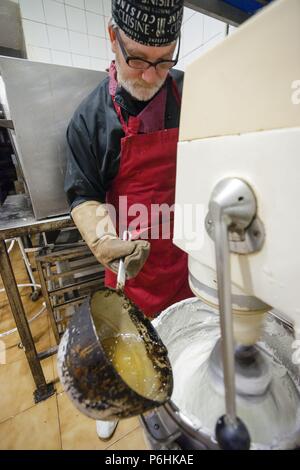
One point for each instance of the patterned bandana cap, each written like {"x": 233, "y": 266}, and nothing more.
{"x": 149, "y": 22}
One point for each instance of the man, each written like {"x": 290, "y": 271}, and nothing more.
{"x": 122, "y": 144}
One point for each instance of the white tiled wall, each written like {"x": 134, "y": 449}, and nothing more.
{"x": 199, "y": 33}
{"x": 74, "y": 32}
{"x": 67, "y": 32}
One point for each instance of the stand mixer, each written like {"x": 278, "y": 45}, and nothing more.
{"x": 232, "y": 347}
{"x": 238, "y": 158}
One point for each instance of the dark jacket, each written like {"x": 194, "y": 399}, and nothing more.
{"x": 94, "y": 139}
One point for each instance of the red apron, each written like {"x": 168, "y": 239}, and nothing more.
{"x": 147, "y": 176}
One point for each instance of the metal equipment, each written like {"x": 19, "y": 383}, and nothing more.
{"x": 233, "y": 12}
{"x": 39, "y": 112}
{"x": 238, "y": 167}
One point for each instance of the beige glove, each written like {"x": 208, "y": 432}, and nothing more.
{"x": 95, "y": 225}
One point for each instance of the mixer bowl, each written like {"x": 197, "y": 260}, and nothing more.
{"x": 190, "y": 330}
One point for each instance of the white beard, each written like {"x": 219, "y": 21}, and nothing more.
{"x": 138, "y": 88}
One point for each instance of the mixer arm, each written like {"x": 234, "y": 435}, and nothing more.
{"x": 232, "y": 207}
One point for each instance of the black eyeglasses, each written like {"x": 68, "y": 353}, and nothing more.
{"x": 143, "y": 64}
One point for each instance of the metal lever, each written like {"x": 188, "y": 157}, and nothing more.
{"x": 121, "y": 271}
{"x": 232, "y": 207}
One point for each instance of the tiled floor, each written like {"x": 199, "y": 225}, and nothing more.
{"x": 54, "y": 423}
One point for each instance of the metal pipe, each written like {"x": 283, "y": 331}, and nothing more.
{"x": 224, "y": 292}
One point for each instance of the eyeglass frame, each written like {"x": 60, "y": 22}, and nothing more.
{"x": 128, "y": 58}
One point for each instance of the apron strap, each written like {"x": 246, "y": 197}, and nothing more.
{"x": 130, "y": 128}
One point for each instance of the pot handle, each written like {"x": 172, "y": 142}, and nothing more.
{"x": 121, "y": 271}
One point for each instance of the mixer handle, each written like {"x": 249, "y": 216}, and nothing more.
{"x": 232, "y": 204}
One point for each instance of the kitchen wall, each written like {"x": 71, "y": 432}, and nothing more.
{"x": 74, "y": 32}
{"x": 199, "y": 33}
{"x": 67, "y": 32}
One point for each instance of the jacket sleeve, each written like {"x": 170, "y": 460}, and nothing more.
{"x": 82, "y": 179}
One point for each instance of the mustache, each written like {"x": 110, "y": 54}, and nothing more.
{"x": 146, "y": 86}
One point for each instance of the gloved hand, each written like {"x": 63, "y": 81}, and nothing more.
{"x": 95, "y": 225}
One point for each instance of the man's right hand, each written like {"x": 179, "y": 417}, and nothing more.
{"x": 94, "y": 224}
{"x": 135, "y": 254}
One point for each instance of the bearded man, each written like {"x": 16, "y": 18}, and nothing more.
{"x": 122, "y": 142}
